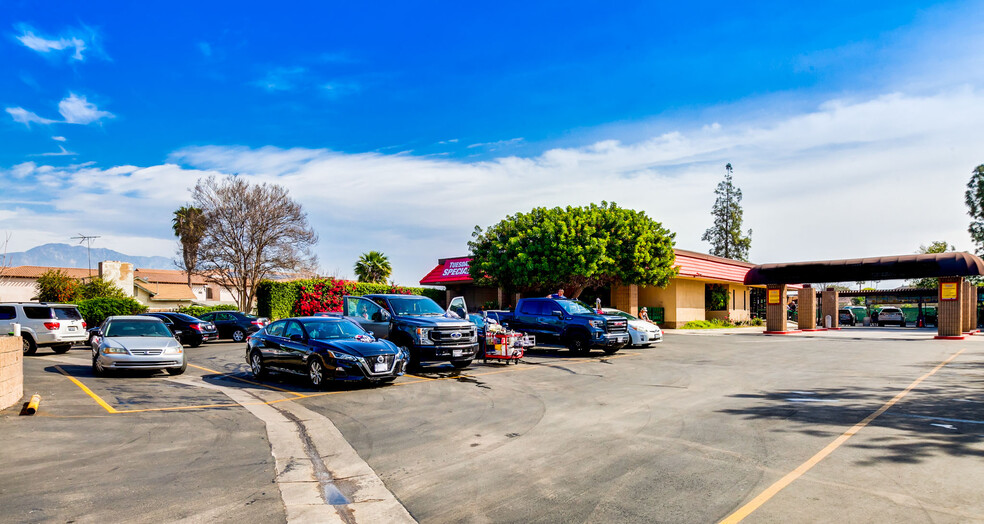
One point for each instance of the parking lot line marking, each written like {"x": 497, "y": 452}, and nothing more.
{"x": 87, "y": 391}
{"x": 275, "y": 388}
{"x": 179, "y": 408}
{"x": 780, "y": 484}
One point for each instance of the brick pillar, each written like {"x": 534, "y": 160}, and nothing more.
{"x": 968, "y": 323}
{"x": 972, "y": 298}
{"x": 950, "y": 322}
{"x": 626, "y": 298}
{"x": 807, "y": 308}
{"x": 11, "y": 370}
{"x": 830, "y": 299}
{"x": 775, "y": 313}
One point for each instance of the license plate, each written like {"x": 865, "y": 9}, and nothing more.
{"x": 456, "y": 353}
{"x": 72, "y": 328}
{"x": 379, "y": 367}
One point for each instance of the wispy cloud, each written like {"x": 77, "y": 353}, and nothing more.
{"x": 23, "y": 116}
{"x": 61, "y": 152}
{"x": 281, "y": 79}
{"x": 58, "y": 138}
{"x": 492, "y": 146}
{"x": 77, "y": 110}
{"x": 338, "y": 89}
{"x": 76, "y": 40}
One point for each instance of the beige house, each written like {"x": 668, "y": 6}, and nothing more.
{"x": 158, "y": 289}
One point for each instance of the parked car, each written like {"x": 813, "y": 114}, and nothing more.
{"x": 567, "y": 322}
{"x": 136, "y": 342}
{"x": 45, "y": 324}
{"x": 234, "y": 324}
{"x": 189, "y": 330}
{"x": 891, "y": 315}
{"x": 859, "y": 313}
{"x": 846, "y": 317}
{"x": 324, "y": 348}
{"x": 641, "y": 333}
{"x": 419, "y": 324}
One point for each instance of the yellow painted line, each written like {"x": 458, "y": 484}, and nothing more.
{"x": 779, "y": 485}
{"x": 88, "y": 391}
{"x": 275, "y": 388}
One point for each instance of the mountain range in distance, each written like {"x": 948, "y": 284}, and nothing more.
{"x": 66, "y": 255}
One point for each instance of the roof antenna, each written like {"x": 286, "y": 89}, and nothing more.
{"x": 88, "y": 247}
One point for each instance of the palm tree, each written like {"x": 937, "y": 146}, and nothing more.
{"x": 373, "y": 267}
{"x": 189, "y": 226}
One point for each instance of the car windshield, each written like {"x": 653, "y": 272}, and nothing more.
{"x": 186, "y": 318}
{"x": 619, "y": 313}
{"x": 67, "y": 313}
{"x": 415, "y": 307}
{"x": 332, "y": 329}
{"x": 574, "y": 308}
{"x": 136, "y": 328}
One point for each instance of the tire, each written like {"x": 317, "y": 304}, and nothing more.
{"x": 30, "y": 347}
{"x": 461, "y": 364}
{"x": 178, "y": 371}
{"x": 238, "y": 335}
{"x": 195, "y": 344}
{"x": 316, "y": 373}
{"x": 97, "y": 370}
{"x": 61, "y": 348}
{"x": 579, "y": 344}
{"x": 256, "y": 364}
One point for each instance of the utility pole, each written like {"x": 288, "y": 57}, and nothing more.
{"x": 88, "y": 247}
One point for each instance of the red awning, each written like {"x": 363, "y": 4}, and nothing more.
{"x": 449, "y": 271}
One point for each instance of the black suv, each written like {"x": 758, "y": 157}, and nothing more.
{"x": 189, "y": 330}
{"x": 235, "y": 324}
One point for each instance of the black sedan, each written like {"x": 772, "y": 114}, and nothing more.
{"x": 189, "y": 330}
{"x": 234, "y": 324}
{"x": 324, "y": 348}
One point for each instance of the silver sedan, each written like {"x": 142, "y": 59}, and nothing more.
{"x": 132, "y": 342}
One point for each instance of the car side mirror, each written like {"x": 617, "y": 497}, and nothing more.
{"x": 379, "y": 316}
{"x": 558, "y": 314}
{"x": 297, "y": 338}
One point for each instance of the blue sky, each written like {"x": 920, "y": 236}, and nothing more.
{"x": 423, "y": 111}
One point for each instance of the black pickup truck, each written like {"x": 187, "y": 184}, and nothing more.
{"x": 566, "y": 322}
{"x": 418, "y": 324}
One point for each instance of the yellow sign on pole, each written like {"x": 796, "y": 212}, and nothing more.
{"x": 948, "y": 291}
{"x": 774, "y": 297}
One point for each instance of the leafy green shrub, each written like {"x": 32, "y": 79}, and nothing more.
{"x": 197, "y": 311}
{"x": 757, "y": 322}
{"x": 95, "y": 310}
{"x": 56, "y": 286}
{"x": 99, "y": 288}
{"x": 708, "y": 324}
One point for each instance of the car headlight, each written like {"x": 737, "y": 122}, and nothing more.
{"x": 110, "y": 350}
{"x": 599, "y": 324}
{"x": 423, "y": 336}
{"x": 338, "y": 355}
{"x": 174, "y": 350}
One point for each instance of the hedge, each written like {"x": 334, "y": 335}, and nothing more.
{"x": 95, "y": 310}
{"x": 304, "y": 297}
{"x": 197, "y": 311}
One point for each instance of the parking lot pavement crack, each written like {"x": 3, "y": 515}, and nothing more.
{"x": 315, "y": 486}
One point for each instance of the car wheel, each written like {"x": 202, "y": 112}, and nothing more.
{"x": 61, "y": 348}
{"x": 461, "y": 364}
{"x": 238, "y": 335}
{"x": 316, "y": 373}
{"x": 178, "y": 371}
{"x": 579, "y": 344}
{"x": 30, "y": 347}
{"x": 97, "y": 369}
{"x": 256, "y": 364}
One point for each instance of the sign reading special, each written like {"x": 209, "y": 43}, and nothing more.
{"x": 455, "y": 268}
{"x": 774, "y": 297}
{"x": 948, "y": 291}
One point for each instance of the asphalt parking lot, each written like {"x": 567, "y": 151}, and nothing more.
{"x": 777, "y": 429}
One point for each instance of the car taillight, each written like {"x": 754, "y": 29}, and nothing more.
{"x": 83, "y": 324}
{"x": 196, "y": 327}
{"x": 257, "y": 323}
{"x": 52, "y": 325}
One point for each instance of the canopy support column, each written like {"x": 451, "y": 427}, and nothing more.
{"x": 951, "y": 307}
{"x": 775, "y": 308}
{"x": 807, "y": 308}
{"x": 831, "y": 298}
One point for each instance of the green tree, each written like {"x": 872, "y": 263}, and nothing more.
{"x": 938, "y": 246}
{"x": 189, "y": 226}
{"x": 96, "y": 287}
{"x": 974, "y": 197}
{"x": 373, "y": 267}
{"x": 573, "y": 248}
{"x": 725, "y": 235}
{"x": 56, "y": 286}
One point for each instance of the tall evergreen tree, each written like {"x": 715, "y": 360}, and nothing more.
{"x": 725, "y": 235}
{"x": 189, "y": 226}
{"x": 975, "y": 207}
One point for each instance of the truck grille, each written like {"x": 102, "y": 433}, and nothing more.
{"x": 452, "y": 335}
{"x": 618, "y": 326}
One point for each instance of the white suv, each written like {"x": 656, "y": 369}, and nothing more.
{"x": 44, "y": 324}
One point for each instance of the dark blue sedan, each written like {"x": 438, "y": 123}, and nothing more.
{"x": 324, "y": 348}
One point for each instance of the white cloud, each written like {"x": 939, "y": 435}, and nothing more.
{"x": 71, "y": 40}
{"x": 58, "y": 138}
{"x": 61, "y": 152}
{"x": 76, "y": 110}
{"x": 814, "y": 184}
{"x": 23, "y": 116}
{"x": 281, "y": 79}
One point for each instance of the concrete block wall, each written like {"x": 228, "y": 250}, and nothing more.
{"x": 11, "y": 371}
{"x": 119, "y": 273}
{"x": 626, "y": 298}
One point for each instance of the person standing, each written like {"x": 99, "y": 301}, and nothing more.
{"x": 558, "y": 294}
